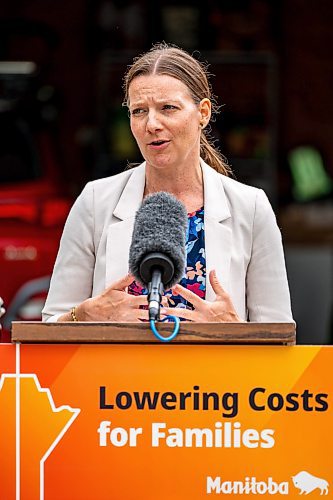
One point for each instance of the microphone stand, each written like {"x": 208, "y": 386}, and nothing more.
{"x": 155, "y": 293}
{"x": 156, "y": 269}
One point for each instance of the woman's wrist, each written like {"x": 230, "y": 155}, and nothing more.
{"x": 74, "y": 315}
{"x": 78, "y": 312}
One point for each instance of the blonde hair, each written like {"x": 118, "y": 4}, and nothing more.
{"x": 165, "y": 59}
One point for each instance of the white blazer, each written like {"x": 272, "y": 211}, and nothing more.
{"x": 242, "y": 242}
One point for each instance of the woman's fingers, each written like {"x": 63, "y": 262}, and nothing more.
{"x": 180, "y": 312}
{"x": 142, "y": 315}
{"x": 216, "y": 285}
{"x": 116, "y": 303}
{"x": 136, "y": 300}
{"x": 121, "y": 284}
{"x": 164, "y": 301}
{"x": 188, "y": 295}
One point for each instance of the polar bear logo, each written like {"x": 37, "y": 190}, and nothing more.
{"x": 307, "y": 483}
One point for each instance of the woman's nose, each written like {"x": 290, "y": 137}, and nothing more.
{"x": 153, "y": 122}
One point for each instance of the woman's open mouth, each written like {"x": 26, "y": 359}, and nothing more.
{"x": 161, "y": 144}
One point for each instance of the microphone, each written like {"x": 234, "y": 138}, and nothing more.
{"x": 157, "y": 253}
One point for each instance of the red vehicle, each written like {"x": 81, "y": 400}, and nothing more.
{"x": 33, "y": 206}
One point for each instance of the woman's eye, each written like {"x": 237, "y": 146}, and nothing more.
{"x": 169, "y": 106}
{"x": 137, "y": 111}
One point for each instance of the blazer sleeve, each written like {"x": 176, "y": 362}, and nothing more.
{"x": 267, "y": 291}
{"x": 72, "y": 277}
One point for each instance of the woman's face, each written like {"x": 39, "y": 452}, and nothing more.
{"x": 165, "y": 121}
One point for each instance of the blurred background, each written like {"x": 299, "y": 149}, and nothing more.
{"x": 62, "y": 124}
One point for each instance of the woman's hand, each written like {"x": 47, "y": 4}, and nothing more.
{"x": 114, "y": 304}
{"x": 221, "y": 310}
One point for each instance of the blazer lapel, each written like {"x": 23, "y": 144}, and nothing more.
{"x": 218, "y": 232}
{"x": 120, "y": 231}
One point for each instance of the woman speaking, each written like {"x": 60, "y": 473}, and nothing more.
{"x": 235, "y": 268}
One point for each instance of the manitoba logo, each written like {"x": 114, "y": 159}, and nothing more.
{"x": 304, "y": 481}
{"x": 307, "y": 483}
{"x": 249, "y": 485}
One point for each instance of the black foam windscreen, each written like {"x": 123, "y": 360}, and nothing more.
{"x": 160, "y": 226}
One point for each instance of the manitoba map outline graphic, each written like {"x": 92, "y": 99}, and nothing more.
{"x": 28, "y": 437}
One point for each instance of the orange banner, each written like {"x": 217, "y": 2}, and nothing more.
{"x": 101, "y": 422}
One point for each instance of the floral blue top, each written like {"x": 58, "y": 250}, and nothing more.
{"x": 194, "y": 278}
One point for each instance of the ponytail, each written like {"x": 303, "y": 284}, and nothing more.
{"x": 212, "y": 156}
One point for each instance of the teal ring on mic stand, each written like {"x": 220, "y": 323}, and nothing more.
{"x": 176, "y": 321}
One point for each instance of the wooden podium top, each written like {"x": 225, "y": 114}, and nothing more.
{"x": 140, "y": 333}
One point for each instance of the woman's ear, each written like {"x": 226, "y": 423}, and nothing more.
{"x": 205, "y": 109}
